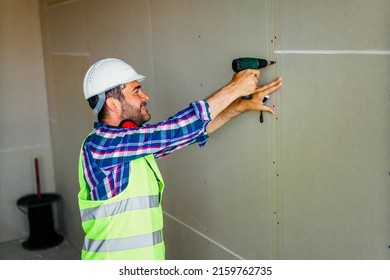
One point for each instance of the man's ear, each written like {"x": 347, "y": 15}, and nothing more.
{"x": 113, "y": 104}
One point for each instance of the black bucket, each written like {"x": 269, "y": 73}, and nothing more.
{"x": 41, "y": 222}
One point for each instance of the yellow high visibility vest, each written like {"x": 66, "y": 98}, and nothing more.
{"x": 128, "y": 226}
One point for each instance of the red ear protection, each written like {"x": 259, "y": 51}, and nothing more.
{"x": 128, "y": 124}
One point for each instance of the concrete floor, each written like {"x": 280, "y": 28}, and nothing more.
{"x": 13, "y": 250}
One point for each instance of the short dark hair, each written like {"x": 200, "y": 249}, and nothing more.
{"x": 116, "y": 93}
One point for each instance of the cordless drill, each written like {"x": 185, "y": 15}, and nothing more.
{"x": 243, "y": 63}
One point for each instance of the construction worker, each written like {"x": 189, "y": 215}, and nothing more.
{"x": 120, "y": 184}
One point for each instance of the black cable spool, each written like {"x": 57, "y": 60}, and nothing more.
{"x": 41, "y": 222}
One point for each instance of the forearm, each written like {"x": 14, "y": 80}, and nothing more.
{"x": 233, "y": 110}
{"x": 220, "y": 100}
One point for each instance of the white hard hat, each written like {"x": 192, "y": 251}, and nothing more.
{"x": 107, "y": 74}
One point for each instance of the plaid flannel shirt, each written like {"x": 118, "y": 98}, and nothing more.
{"x": 108, "y": 151}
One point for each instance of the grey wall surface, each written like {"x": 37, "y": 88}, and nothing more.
{"x": 333, "y": 131}
{"x": 23, "y": 114}
{"x": 310, "y": 183}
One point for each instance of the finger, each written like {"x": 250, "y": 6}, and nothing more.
{"x": 256, "y": 72}
{"x": 271, "y": 84}
{"x": 274, "y": 82}
{"x": 268, "y": 109}
{"x": 269, "y": 88}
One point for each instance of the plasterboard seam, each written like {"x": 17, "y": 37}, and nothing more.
{"x": 46, "y": 145}
{"x": 204, "y": 236}
{"x": 277, "y": 103}
{"x": 64, "y": 2}
{"x": 70, "y": 53}
{"x": 334, "y": 52}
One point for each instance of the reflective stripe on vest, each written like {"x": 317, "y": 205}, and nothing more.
{"x": 120, "y": 244}
{"x": 133, "y": 203}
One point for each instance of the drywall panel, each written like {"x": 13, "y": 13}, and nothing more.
{"x": 334, "y": 166}
{"x": 23, "y": 113}
{"x": 66, "y": 25}
{"x": 334, "y": 24}
{"x": 73, "y": 123}
{"x": 224, "y": 191}
{"x": 22, "y": 82}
